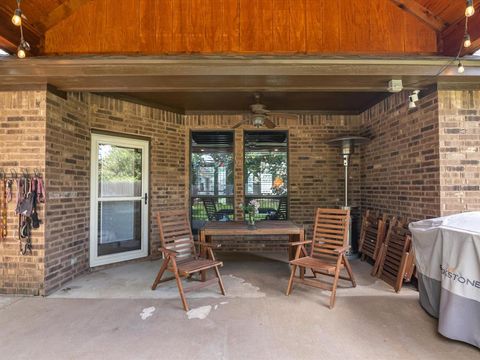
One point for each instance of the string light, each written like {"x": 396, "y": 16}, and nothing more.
{"x": 17, "y": 16}
{"x": 467, "y": 41}
{"x": 21, "y": 53}
{"x": 22, "y": 50}
{"x": 470, "y": 10}
{"x": 24, "y": 46}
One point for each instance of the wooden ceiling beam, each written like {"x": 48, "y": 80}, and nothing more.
{"x": 413, "y": 7}
{"x": 452, "y": 37}
{"x": 7, "y": 45}
{"x": 11, "y": 33}
{"x": 200, "y": 73}
{"x": 61, "y": 12}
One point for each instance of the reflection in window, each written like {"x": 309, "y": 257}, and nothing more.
{"x": 211, "y": 177}
{"x": 119, "y": 226}
{"x": 266, "y": 172}
{"x": 119, "y": 171}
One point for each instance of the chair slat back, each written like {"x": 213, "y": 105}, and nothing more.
{"x": 210, "y": 208}
{"x": 175, "y": 233}
{"x": 330, "y": 232}
{"x": 282, "y": 209}
{"x": 396, "y": 248}
{"x": 372, "y": 234}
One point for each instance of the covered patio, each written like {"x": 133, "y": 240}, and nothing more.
{"x": 256, "y": 320}
{"x": 255, "y": 146}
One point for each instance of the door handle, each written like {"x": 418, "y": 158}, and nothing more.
{"x": 146, "y": 198}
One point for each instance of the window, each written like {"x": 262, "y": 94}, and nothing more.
{"x": 266, "y": 172}
{"x": 211, "y": 177}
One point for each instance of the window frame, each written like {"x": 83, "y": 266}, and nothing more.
{"x": 190, "y": 173}
{"x": 245, "y": 196}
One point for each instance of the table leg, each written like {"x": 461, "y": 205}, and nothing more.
{"x": 291, "y": 238}
{"x": 301, "y": 237}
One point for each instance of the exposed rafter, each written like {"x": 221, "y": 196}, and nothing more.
{"x": 61, "y": 12}
{"x": 7, "y": 45}
{"x": 422, "y": 13}
{"x": 452, "y": 36}
{"x": 11, "y": 33}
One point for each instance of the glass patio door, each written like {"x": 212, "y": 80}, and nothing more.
{"x": 119, "y": 199}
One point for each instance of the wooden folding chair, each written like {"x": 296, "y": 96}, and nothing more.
{"x": 327, "y": 253}
{"x": 395, "y": 258}
{"x": 210, "y": 208}
{"x": 372, "y": 234}
{"x": 180, "y": 255}
{"x": 281, "y": 213}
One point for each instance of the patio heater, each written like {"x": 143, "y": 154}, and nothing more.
{"x": 347, "y": 145}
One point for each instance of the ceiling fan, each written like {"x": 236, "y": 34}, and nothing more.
{"x": 260, "y": 115}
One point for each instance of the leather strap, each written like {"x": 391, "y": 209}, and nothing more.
{"x": 9, "y": 190}
{"x": 41, "y": 194}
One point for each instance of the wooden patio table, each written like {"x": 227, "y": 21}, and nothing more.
{"x": 264, "y": 227}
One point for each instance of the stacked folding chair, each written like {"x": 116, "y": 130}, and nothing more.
{"x": 372, "y": 234}
{"x": 395, "y": 259}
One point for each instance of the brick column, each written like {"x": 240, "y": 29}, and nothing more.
{"x": 22, "y": 148}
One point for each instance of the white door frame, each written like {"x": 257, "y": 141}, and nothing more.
{"x": 97, "y": 139}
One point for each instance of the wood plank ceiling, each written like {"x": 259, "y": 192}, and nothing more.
{"x": 239, "y": 26}
{"x": 248, "y": 29}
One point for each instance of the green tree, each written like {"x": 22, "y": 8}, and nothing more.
{"x": 261, "y": 162}
{"x": 120, "y": 164}
{"x": 219, "y": 159}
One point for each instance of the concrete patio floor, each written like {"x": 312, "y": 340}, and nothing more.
{"x": 112, "y": 314}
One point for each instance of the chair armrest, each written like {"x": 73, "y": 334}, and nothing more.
{"x": 168, "y": 252}
{"x": 341, "y": 250}
{"x": 300, "y": 243}
{"x": 211, "y": 246}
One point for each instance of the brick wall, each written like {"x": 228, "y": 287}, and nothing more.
{"x": 22, "y": 148}
{"x": 397, "y": 172}
{"x": 316, "y": 176}
{"x": 459, "y": 121}
{"x": 400, "y": 166}
{"x": 69, "y": 124}
{"x": 67, "y": 159}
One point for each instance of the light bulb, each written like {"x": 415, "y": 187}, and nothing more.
{"x": 17, "y": 17}
{"x": 461, "y": 68}
{"x": 470, "y": 10}
{"x": 21, "y": 53}
{"x": 22, "y": 49}
{"x": 467, "y": 42}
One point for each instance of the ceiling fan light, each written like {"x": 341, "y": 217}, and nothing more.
{"x": 258, "y": 120}
{"x": 470, "y": 9}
